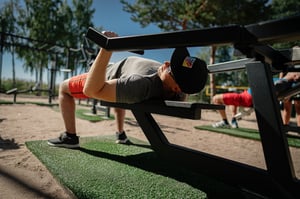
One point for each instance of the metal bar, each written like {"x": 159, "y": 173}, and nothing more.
{"x": 272, "y": 56}
{"x": 97, "y": 37}
{"x": 229, "y": 66}
{"x": 170, "y": 108}
{"x": 269, "y": 119}
{"x": 265, "y": 32}
{"x": 293, "y": 54}
{"x": 271, "y": 129}
{"x": 286, "y": 29}
{"x": 289, "y": 92}
{"x": 199, "y": 37}
{"x": 278, "y": 59}
{"x": 100, "y": 39}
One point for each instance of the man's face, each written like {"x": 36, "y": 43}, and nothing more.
{"x": 168, "y": 78}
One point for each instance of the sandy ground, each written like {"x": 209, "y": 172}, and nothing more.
{"x": 23, "y": 176}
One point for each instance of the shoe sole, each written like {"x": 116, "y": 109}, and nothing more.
{"x": 122, "y": 141}
{"x": 64, "y": 145}
{"x": 222, "y": 127}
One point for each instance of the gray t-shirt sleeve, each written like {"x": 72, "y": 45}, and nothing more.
{"x": 137, "y": 88}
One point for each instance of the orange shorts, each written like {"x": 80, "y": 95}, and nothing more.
{"x": 76, "y": 84}
{"x": 238, "y": 99}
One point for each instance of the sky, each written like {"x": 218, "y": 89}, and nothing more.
{"x": 109, "y": 15}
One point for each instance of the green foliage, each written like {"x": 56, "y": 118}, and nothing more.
{"x": 170, "y": 15}
{"x": 284, "y": 8}
{"x": 8, "y": 17}
{"x": 42, "y": 25}
{"x": 23, "y": 85}
{"x": 240, "y": 12}
{"x": 182, "y": 14}
{"x": 7, "y": 84}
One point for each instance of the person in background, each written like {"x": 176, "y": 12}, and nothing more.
{"x": 287, "y": 81}
{"x": 232, "y": 100}
{"x": 244, "y": 99}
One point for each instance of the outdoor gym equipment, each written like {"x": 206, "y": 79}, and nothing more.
{"x": 278, "y": 180}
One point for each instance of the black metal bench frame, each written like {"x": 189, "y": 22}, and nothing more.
{"x": 278, "y": 180}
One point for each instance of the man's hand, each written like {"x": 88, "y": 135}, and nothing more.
{"x": 109, "y": 34}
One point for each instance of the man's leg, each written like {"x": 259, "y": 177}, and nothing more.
{"x": 67, "y": 107}
{"x": 120, "y": 117}
{"x": 120, "y": 134}
{"x": 287, "y": 110}
{"x": 297, "y": 109}
{"x": 218, "y": 99}
{"x": 234, "y": 123}
{"x": 68, "y": 139}
{"x": 233, "y": 110}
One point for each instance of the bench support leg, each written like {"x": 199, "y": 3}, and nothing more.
{"x": 203, "y": 163}
{"x": 273, "y": 137}
{"x": 151, "y": 129}
{"x": 15, "y": 97}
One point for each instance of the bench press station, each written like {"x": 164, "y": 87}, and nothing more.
{"x": 278, "y": 180}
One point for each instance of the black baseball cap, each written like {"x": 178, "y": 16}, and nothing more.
{"x": 190, "y": 73}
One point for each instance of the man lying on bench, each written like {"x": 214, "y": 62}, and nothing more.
{"x": 232, "y": 100}
{"x": 288, "y": 91}
{"x": 131, "y": 80}
{"x": 244, "y": 99}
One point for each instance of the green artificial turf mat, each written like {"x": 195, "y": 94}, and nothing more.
{"x": 103, "y": 169}
{"x": 244, "y": 133}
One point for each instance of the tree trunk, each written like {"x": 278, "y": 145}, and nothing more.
{"x": 211, "y": 75}
{"x": 13, "y": 67}
{"x": 39, "y": 93}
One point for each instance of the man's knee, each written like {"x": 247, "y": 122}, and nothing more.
{"x": 64, "y": 88}
{"x": 218, "y": 99}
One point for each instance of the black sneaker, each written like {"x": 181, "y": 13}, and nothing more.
{"x": 65, "y": 141}
{"x": 121, "y": 138}
{"x": 221, "y": 124}
{"x": 234, "y": 124}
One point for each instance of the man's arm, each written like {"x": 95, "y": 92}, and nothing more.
{"x": 96, "y": 85}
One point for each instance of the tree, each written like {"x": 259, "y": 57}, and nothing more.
{"x": 79, "y": 16}
{"x": 48, "y": 30}
{"x": 284, "y": 8}
{"x": 171, "y": 15}
{"x": 40, "y": 21}
{"x": 8, "y": 25}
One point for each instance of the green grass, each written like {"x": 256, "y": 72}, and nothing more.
{"x": 244, "y": 133}
{"x": 85, "y": 114}
{"x": 103, "y": 169}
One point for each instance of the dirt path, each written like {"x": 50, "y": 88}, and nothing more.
{"x": 23, "y": 176}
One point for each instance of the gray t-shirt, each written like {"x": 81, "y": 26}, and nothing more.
{"x": 137, "y": 79}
